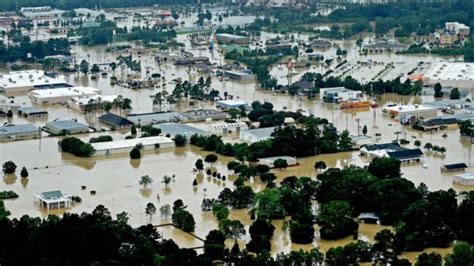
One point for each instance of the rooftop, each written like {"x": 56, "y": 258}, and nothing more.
{"x": 11, "y": 129}
{"x": 65, "y": 92}
{"x": 447, "y": 103}
{"x": 179, "y": 129}
{"x": 409, "y": 108}
{"x": 228, "y": 35}
{"x": 455, "y": 166}
{"x": 154, "y": 118}
{"x": 65, "y": 124}
{"x": 406, "y": 153}
{"x": 130, "y": 143}
{"x": 83, "y": 100}
{"x": 384, "y": 146}
{"x": 31, "y": 110}
{"x": 467, "y": 176}
{"x": 114, "y": 119}
{"x": 451, "y": 71}
{"x": 260, "y": 132}
{"x": 231, "y": 103}
{"x": 27, "y": 78}
{"x": 50, "y": 195}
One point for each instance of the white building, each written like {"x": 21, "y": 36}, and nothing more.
{"x": 62, "y": 95}
{"x": 338, "y": 94}
{"x": 53, "y": 200}
{"x": 258, "y": 134}
{"x": 126, "y": 145}
{"x": 457, "y": 28}
{"x": 235, "y": 103}
{"x": 408, "y": 114}
{"x": 450, "y": 74}
{"x": 80, "y": 102}
{"x": 269, "y": 161}
{"x": 25, "y": 80}
{"x": 464, "y": 179}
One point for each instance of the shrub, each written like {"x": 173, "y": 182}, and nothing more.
{"x": 9, "y": 167}
{"x": 76, "y": 147}
{"x": 135, "y": 153}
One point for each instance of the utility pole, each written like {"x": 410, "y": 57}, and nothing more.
{"x": 358, "y": 127}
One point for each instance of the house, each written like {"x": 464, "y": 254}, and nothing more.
{"x": 60, "y": 127}
{"x": 369, "y": 218}
{"x": 258, "y": 134}
{"x": 126, "y": 145}
{"x": 464, "y": 179}
{"x": 53, "y": 200}
{"x": 406, "y": 155}
{"x": 338, "y": 94}
{"x": 454, "y": 167}
{"x": 379, "y": 150}
{"x": 10, "y": 132}
{"x": 32, "y": 112}
{"x": 115, "y": 121}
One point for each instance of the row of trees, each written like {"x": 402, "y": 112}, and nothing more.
{"x": 30, "y": 51}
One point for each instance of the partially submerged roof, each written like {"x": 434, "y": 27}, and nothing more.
{"x": 11, "y": 129}
{"x": 384, "y": 146}
{"x": 51, "y": 195}
{"x": 65, "y": 124}
{"x": 116, "y": 120}
{"x": 454, "y": 166}
{"x": 405, "y": 154}
{"x": 31, "y": 110}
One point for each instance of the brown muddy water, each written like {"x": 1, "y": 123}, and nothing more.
{"x": 115, "y": 178}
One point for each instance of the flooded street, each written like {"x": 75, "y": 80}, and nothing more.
{"x": 116, "y": 179}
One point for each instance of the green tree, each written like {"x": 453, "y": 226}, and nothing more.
{"x": 214, "y": 245}
{"x": 454, "y": 94}
{"x": 438, "y": 90}
{"x": 319, "y": 165}
{"x": 345, "y": 141}
{"x": 150, "y": 209}
{"x": 133, "y": 130}
{"x": 183, "y": 220}
{"x": 9, "y": 167}
{"x": 180, "y": 140}
{"x": 463, "y": 255}
{"x": 417, "y": 143}
{"x": 135, "y": 153}
{"x": 220, "y": 211}
{"x": 24, "y": 172}
{"x": 335, "y": 220}
{"x": 233, "y": 113}
{"x": 84, "y": 67}
{"x": 364, "y": 130}
{"x": 95, "y": 69}
{"x": 233, "y": 229}
{"x": 465, "y": 128}
{"x": 385, "y": 167}
{"x": 145, "y": 181}
{"x": 165, "y": 211}
{"x": 268, "y": 204}
{"x": 199, "y": 165}
{"x": 280, "y": 163}
{"x": 210, "y": 158}
{"x": 261, "y": 231}
{"x": 166, "y": 180}
{"x": 431, "y": 259}
{"x": 428, "y": 146}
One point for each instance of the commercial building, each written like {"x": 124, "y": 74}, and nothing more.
{"x": 226, "y": 38}
{"x": 80, "y": 102}
{"x": 245, "y": 75}
{"x": 409, "y": 114}
{"x": 126, "y": 145}
{"x": 60, "y": 127}
{"x": 115, "y": 121}
{"x": 450, "y": 74}
{"x": 223, "y": 128}
{"x": 32, "y": 112}
{"x": 203, "y": 115}
{"x": 258, "y": 134}
{"x": 464, "y": 179}
{"x": 156, "y": 118}
{"x": 406, "y": 155}
{"x": 10, "y": 132}
{"x": 438, "y": 123}
{"x": 62, "y": 95}
{"x": 26, "y": 80}
{"x": 338, "y": 94}
{"x": 173, "y": 129}
{"x": 449, "y": 104}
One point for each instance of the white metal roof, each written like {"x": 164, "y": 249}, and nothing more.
{"x": 130, "y": 143}
{"x": 64, "y": 92}
{"x": 467, "y": 176}
{"x": 451, "y": 71}
{"x": 27, "y": 78}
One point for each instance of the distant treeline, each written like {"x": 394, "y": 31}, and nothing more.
{"x": 70, "y": 4}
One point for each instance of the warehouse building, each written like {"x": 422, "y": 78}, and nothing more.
{"x": 156, "y": 118}
{"x": 464, "y": 179}
{"x": 409, "y": 114}
{"x": 450, "y": 74}
{"x": 173, "y": 129}
{"x": 60, "y": 127}
{"x": 26, "y": 80}
{"x": 10, "y": 132}
{"x": 32, "y": 112}
{"x": 126, "y": 145}
{"x": 115, "y": 121}
{"x": 62, "y": 95}
{"x": 203, "y": 115}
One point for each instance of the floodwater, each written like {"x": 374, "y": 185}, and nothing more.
{"x": 115, "y": 179}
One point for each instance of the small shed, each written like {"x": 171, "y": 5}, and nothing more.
{"x": 454, "y": 167}
{"x": 53, "y": 199}
{"x": 32, "y": 112}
